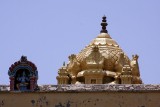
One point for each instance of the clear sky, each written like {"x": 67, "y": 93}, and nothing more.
{"x": 48, "y": 31}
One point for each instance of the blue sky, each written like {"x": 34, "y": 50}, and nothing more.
{"x": 48, "y": 31}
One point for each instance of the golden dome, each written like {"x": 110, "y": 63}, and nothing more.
{"x": 108, "y": 48}
{"x": 102, "y": 62}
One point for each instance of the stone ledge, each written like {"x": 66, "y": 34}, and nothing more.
{"x": 92, "y": 88}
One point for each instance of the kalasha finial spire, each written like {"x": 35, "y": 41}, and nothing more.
{"x": 64, "y": 64}
{"x": 104, "y": 24}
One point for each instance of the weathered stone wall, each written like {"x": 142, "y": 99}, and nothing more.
{"x": 85, "y": 96}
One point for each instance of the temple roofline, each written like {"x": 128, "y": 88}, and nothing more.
{"x": 91, "y": 88}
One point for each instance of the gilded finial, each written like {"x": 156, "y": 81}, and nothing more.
{"x": 104, "y": 24}
{"x": 64, "y": 64}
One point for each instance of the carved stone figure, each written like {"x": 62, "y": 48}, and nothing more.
{"x": 73, "y": 65}
{"x": 23, "y": 81}
{"x": 135, "y": 69}
{"x": 23, "y": 75}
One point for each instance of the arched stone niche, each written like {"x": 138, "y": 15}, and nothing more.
{"x": 23, "y": 75}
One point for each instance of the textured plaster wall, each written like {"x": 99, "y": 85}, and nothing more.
{"x": 80, "y": 99}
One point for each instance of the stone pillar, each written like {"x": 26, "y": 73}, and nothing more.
{"x": 73, "y": 79}
{"x": 32, "y": 83}
{"x": 87, "y": 80}
{"x": 12, "y": 83}
{"x": 126, "y": 79}
{"x": 99, "y": 80}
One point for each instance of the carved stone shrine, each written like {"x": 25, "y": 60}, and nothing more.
{"x": 101, "y": 62}
{"x": 23, "y": 75}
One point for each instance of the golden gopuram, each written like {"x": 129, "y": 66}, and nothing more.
{"x": 101, "y": 62}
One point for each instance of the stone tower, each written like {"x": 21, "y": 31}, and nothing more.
{"x": 101, "y": 62}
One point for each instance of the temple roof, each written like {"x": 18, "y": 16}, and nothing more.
{"x": 101, "y": 62}
{"x": 108, "y": 47}
{"x": 103, "y": 41}
{"x": 24, "y": 62}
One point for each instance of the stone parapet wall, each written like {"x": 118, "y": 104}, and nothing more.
{"x": 83, "y": 96}
{"x": 100, "y": 88}
{"x": 92, "y": 88}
